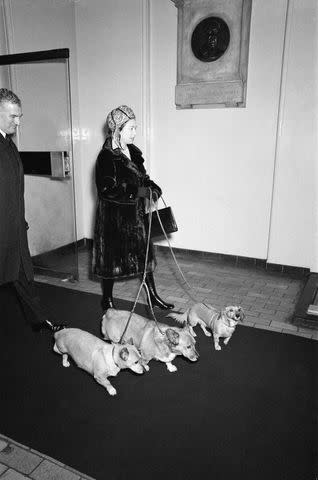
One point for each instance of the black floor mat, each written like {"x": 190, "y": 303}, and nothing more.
{"x": 246, "y": 412}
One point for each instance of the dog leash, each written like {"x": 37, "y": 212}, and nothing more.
{"x": 154, "y": 204}
{"x": 153, "y": 197}
{"x": 143, "y": 283}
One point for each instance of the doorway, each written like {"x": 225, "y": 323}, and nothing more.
{"x": 45, "y": 142}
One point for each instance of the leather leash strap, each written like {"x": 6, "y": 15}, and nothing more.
{"x": 143, "y": 283}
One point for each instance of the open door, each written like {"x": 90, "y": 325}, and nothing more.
{"x": 45, "y": 142}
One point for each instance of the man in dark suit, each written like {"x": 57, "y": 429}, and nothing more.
{"x": 15, "y": 261}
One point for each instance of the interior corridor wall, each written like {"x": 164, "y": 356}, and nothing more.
{"x": 110, "y": 73}
{"x": 231, "y": 189}
{"x": 294, "y": 224}
{"x": 216, "y": 166}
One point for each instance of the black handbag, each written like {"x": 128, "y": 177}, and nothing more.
{"x": 167, "y": 219}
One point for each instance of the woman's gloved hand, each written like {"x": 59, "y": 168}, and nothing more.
{"x": 145, "y": 193}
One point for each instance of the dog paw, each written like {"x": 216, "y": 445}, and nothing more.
{"x": 147, "y": 368}
{"x": 208, "y": 334}
{"x": 112, "y": 391}
{"x": 217, "y": 347}
{"x": 66, "y": 363}
{"x": 172, "y": 368}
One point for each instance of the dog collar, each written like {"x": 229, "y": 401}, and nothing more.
{"x": 114, "y": 357}
{"x": 227, "y": 324}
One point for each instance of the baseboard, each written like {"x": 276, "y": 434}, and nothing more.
{"x": 234, "y": 260}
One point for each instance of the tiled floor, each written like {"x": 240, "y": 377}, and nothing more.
{"x": 268, "y": 299}
{"x": 18, "y": 462}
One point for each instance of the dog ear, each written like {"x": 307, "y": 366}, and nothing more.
{"x": 242, "y": 314}
{"x": 172, "y": 336}
{"x": 186, "y": 327}
{"x": 124, "y": 354}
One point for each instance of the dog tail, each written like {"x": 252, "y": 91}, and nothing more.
{"x": 179, "y": 317}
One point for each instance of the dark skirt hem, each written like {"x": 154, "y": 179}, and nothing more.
{"x": 123, "y": 277}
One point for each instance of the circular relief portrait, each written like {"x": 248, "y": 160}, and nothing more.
{"x": 210, "y": 39}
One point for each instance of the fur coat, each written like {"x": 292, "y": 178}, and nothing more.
{"x": 14, "y": 249}
{"x": 120, "y": 237}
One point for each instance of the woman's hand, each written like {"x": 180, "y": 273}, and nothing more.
{"x": 145, "y": 193}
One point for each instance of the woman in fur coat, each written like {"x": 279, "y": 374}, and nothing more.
{"x": 120, "y": 238}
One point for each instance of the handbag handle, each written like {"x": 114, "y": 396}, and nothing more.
{"x": 163, "y": 201}
{"x": 158, "y": 199}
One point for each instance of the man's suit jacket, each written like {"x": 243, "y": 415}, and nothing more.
{"x": 14, "y": 249}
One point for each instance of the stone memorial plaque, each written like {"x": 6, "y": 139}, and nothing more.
{"x": 213, "y": 44}
{"x": 210, "y": 39}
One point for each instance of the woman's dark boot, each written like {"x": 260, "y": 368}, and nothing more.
{"x": 107, "y": 287}
{"x": 156, "y": 301}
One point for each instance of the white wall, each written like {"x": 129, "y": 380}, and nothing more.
{"x": 216, "y": 165}
{"x": 110, "y": 73}
{"x": 294, "y": 225}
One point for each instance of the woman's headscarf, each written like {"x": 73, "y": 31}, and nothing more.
{"x": 117, "y": 118}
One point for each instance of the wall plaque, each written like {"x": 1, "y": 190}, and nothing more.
{"x": 213, "y": 44}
